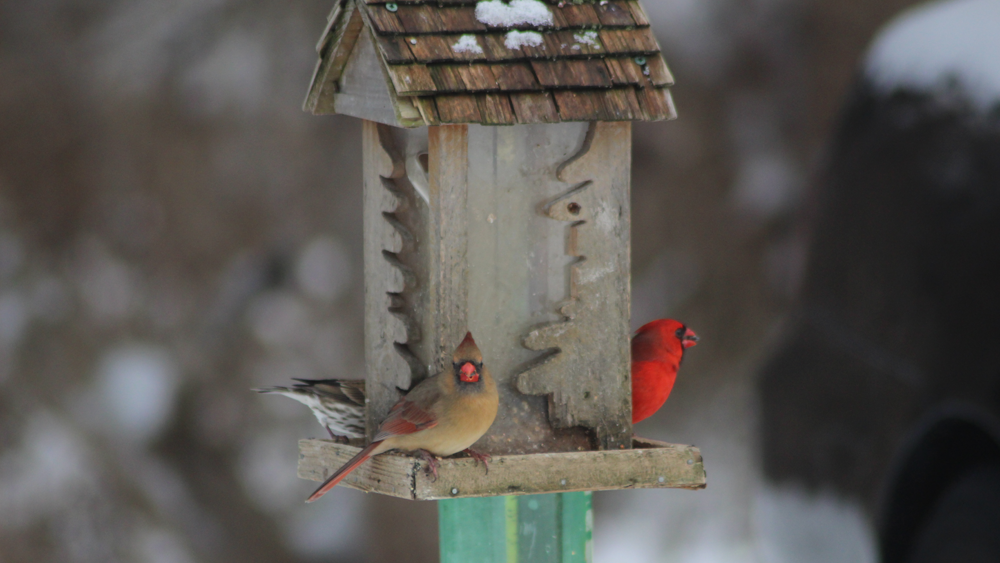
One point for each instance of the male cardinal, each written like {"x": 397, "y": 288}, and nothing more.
{"x": 338, "y": 404}
{"x": 443, "y": 415}
{"x": 657, "y": 350}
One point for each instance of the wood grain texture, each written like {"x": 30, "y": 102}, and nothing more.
{"x": 411, "y": 79}
{"x": 614, "y": 13}
{"x": 338, "y": 42}
{"x": 534, "y": 108}
{"x": 445, "y": 320}
{"x": 658, "y": 103}
{"x": 393, "y": 277}
{"x": 460, "y": 108}
{"x": 648, "y": 465}
{"x": 585, "y": 370}
{"x": 589, "y": 73}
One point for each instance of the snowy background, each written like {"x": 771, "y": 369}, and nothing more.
{"x": 174, "y": 231}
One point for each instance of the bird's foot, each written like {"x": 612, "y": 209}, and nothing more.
{"x": 337, "y": 439}
{"x": 480, "y": 457}
{"x": 432, "y": 463}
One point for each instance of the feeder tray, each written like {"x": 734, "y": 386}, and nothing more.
{"x": 648, "y": 465}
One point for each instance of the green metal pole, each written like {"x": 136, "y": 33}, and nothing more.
{"x": 555, "y": 528}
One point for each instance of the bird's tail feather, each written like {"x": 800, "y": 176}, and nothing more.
{"x": 339, "y": 475}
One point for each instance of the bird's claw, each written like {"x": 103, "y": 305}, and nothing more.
{"x": 432, "y": 463}
{"x": 480, "y": 457}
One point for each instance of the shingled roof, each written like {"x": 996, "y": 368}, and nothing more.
{"x": 490, "y": 62}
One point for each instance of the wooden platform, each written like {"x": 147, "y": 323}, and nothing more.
{"x": 650, "y": 465}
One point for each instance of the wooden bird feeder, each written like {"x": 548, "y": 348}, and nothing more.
{"x": 497, "y": 154}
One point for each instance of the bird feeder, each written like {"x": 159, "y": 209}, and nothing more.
{"x": 497, "y": 154}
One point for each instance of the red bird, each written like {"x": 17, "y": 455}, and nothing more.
{"x": 657, "y": 350}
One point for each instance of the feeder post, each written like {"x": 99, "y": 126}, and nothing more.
{"x": 554, "y": 528}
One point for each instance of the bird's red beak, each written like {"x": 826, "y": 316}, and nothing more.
{"x": 689, "y": 339}
{"x": 468, "y": 373}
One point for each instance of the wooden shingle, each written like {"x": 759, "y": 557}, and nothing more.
{"x": 595, "y": 60}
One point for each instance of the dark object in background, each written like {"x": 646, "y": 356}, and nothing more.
{"x": 888, "y": 387}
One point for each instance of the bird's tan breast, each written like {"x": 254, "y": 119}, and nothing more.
{"x": 462, "y": 419}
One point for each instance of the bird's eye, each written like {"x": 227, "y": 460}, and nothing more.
{"x": 680, "y": 332}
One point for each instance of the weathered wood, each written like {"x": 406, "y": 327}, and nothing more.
{"x": 411, "y": 79}
{"x": 624, "y": 71}
{"x": 445, "y": 319}
{"x": 659, "y": 74}
{"x": 614, "y": 13}
{"x": 588, "y": 73}
{"x": 580, "y": 105}
{"x": 588, "y": 377}
{"x": 496, "y": 110}
{"x": 347, "y": 26}
{"x": 432, "y": 48}
{"x": 459, "y": 108}
{"x": 658, "y": 103}
{"x": 384, "y": 21}
{"x": 534, "y": 108}
{"x": 579, "y": 15}
{"x": 428, "y": 110}
{"x": 638, "y": 13}
{"x": 515, "y": 76}
{"x": 648, "y": 465}
{"x": 632, "y": 41}
{"x": 395, "y": 49}
{"x": 464, "y": 78}
{"x": 393, "y": 274}
{"x": 622, "y": 104}
{"x": 364, "y": 86}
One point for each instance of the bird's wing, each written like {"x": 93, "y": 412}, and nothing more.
{"x": 405, "y": 418}
{"x": 354, "y": 390}
{"x": 342, "y": 390}
{"x": 414, "y": 412}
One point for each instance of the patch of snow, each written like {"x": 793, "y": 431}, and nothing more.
{"x": 930, "y": 46}
{"x": 517, "y": 39}
{"x": 588, "y": 38}
{"x": 324, "y": 269}
{"x": 519, "y": 12}
{"x": 467, "y": 44}
{"x": 137, "y": 385}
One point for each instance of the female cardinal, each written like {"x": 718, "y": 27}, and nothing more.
{"x": 657, "y": 350}
{"x": 338, "y": 404}
{"x": 442, "y": 415}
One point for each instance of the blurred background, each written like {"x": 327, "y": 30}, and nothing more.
{"x": 174, "y": 230}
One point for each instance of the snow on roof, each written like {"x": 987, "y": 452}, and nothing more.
{"x": 932, "y": 45}
{"x": 518, "y": 12}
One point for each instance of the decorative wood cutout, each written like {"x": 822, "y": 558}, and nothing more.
{"x": 392, "y": 332}
{"x": 586, "y": 373}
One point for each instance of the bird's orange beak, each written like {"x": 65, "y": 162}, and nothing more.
{"x": 689, "y": 339}
{"x": 468, "y": 373}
